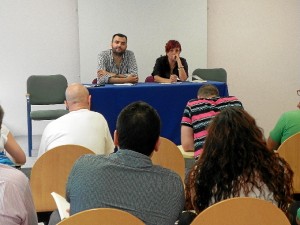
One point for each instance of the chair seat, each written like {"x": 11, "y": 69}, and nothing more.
{"x": 47, "y": 114}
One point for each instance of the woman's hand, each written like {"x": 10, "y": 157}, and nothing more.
{"x": 173, "y": 78}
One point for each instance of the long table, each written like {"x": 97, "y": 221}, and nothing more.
{"x": 168, "y": 99}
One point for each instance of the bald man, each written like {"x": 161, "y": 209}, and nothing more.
{"x": 80, "y": 126}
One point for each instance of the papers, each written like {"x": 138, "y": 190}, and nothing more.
{"x": 197, "y": 79}
{"x": 62, "y": 205}
{"x": 124, "y": 84}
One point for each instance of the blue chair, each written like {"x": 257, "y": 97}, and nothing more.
{"x": 44, "y": 90}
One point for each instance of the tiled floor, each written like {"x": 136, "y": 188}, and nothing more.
{"x": 22, "y": 141}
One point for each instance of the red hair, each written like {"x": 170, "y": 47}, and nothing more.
{"x": 172, "y": 44}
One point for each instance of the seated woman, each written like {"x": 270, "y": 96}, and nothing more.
{"x": 9, "y": 145}
{"x": 171, "y": 67}
{"x": 236, "y": 163}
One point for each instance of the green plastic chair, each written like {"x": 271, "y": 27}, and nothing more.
{"x": 217, "y": 74}
{"x": 44, "y": 90}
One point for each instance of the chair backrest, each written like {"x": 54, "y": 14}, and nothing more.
{"x": 217, "y": 74}
{"x": 290, "y": 151}
{"x": 242, "y": 211}
{"x": 169, "y": 156}
{"x": 105, "y": 216}
{"x": 50, "y": 173}
{"x": 46, "y": 89}
{"x": 149, "y": 79}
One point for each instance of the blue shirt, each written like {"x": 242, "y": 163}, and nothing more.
{"x": 126, "y": 180}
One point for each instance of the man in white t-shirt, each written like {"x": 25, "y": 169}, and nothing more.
{"x": 80, "y": 126}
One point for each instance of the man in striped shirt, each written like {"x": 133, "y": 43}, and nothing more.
{"x": 117, "y": 65}
{"x": 197, "y": 115}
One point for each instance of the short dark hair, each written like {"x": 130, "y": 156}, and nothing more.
{"x": 138, "y": 128}
{"x": 119, "y": 35}
{"x": 208, "y": 90}
{"x": 1, "y": 116}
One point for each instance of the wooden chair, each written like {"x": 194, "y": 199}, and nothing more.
{"x": 105, "y": 216}
{"x": 290, "y": 151}
{"x": 242, "y": 211}
{"x": 50, "y": 173}
{"x": 169, "y": 156}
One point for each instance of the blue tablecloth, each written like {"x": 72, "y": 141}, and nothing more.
{"x": 168, "y": 99}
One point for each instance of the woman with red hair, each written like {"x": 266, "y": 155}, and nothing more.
{"x": 171, "y": 67}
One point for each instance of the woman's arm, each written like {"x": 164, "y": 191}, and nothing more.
{"x": 182, "y": 69}
{"x": 14, "y": 150}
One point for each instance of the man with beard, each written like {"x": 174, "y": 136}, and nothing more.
{"x": 117, "y": 65}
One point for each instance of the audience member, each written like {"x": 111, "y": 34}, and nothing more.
{"x": 127, "y": 179}
{"x": 198, "y": 114}
{"x": 16, "y": 207}
{"x": 80, "y": 126}
{"x": 236, "y": 163}
{"x": 117, "y": 65}
{"x": 287, "y": 125}
{"x": 10, "y": 151}
{"x": 171, "y": 67}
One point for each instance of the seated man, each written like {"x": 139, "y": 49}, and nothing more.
{"x": 117, "y": 65}
{"x": 127, "y": 179}
{"x": 16, "y": 207}
{"x": 79, "y": 127}
{"x": 287, "y": 125}
{"x": 198, "y": 114}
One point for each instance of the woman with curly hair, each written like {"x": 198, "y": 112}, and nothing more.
{"x": 236, "y": 163}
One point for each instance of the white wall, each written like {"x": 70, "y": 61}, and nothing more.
{"x": 258, "y": 43}
{"x": 148, "y": 26}
{"x": 36, "y": 37}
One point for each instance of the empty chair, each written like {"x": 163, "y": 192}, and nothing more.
{"x": 169, "y": 156}
{"x": 290, "y": 151}
{"x": 217, "y": 74}
{"x": 99, "y": 216}
{"x": 242, "y": 211}
{"x": 50, "y": 173}
{"x": 44, "y": 90}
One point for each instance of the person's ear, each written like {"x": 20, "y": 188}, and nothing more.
{"x": 116, "y": 138}
{"x": 89, "y": 101}
{"x": 157, "y": 144}
{"x": 66, "y": 104}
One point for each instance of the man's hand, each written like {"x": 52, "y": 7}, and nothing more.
{"x": 101, "y": 73}
{"x": 132, "y": 79}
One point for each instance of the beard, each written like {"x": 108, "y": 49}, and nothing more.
{"x": 118, "y": 52}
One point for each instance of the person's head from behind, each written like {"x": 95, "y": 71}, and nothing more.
{"x": 1, "y": 115}
{"x": 119, "y": 44}
{"x": 208, "y": 91}
{"x": 77, "y": 97}
{"x": 235, "y": 156}
{"x": 172, "y": 48}
{"x": 138, "y": 128}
